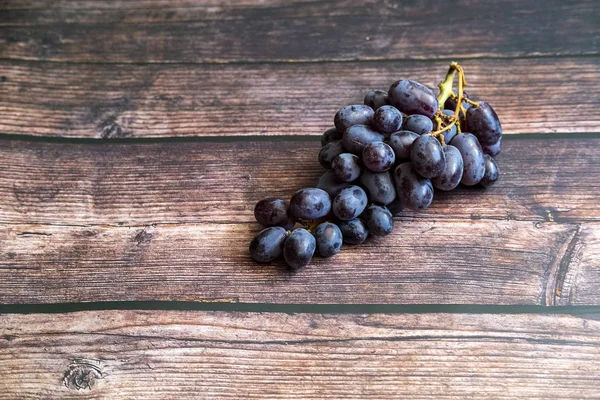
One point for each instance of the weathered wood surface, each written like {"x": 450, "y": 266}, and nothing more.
{"x": 114, "y": 101}
{"x": 190, "y": 355}
{"x": 127, "y": 184}
{"x": 281, "y": 31}
{"x": 449, "y": 262}
{"x": 173, "y": 221}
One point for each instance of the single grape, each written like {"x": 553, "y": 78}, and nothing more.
{"x": 329, "y": 152}
{"x": 349, "y": 203}
{"x": 411, "y": 97}
{"x": 331, "y": 135}
{"x": 310, "y": 203}
{"x": 330, "y": 184}
{"x": 299, "y": 248}
{"x": 413, "y": 190}
{"x": 378, "y": 156}
{"x": 329, "y": 239}
{"x": 492, "y": 149}
{"x": 491, "y": 171}
{"x": 379, "y": 220}
{"x": 483, "y": 122}
{"x": 452, "y": 174}
{"x": 418, "y": 124}
{"x": 400, "y": 142}
{"x": 472, "y": 155}
{"x": 274, "y": 212}
{"x": 427, "y": 156}
{"x": 358, "y": 114}
{"x": 379, "y": 185}
{"x": 376, "y": 99}
{"x": 346, "y": 167}
{"x": 267, "y": 245}
{"x": 353, "y": 231}
{"x": 387, "y": 120}
{"x": 450, "y": 133}
{"x": 358, "y": 136}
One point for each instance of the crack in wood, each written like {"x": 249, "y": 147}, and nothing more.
{"x": 483, "y": 338}
{"x": 560, "y": 269}
{"x": 569, "y": 266}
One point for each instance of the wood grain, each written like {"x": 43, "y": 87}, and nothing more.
{"x": 129, "y": 184}
{"x": 437, "y": 262}
{"x": 190, "y": 355}
{"x": 173, "y": 221}
{"x": 281, "y": 31}
{"x": 116, "y": 101}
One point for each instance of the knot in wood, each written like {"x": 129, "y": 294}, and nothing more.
{"x": 82, "y": 375}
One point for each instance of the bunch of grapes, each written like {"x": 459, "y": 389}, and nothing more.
{"x": 388, "y": 153}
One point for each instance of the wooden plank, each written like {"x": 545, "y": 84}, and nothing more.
{"x": 187, "y": 355}
{"x": 114, "y": 101}
{"x": 278, "y": 31}
{"x": 133, "y": 184}
{"x": 173, "y": 221}
{"x": 431, "y": 262}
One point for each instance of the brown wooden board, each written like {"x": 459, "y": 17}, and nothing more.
{"x": 538, "y": 95}
{"x": 132, "y": 184}
{"x": 183, "y": 31}
{"x": 190, "y": 355}
{"x": 172, "y": 221}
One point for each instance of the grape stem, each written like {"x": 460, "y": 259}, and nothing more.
{"x": 446, "y": 85}
{"x": 444, "y": 122}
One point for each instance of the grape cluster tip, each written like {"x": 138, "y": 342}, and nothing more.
{"x": 390, "y": 153}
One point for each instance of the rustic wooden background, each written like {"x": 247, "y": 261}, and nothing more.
{"x": 136, "y": 136}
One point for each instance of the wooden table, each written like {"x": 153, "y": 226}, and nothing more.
{"x": 136, "y": 137}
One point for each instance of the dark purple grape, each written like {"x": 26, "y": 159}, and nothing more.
{"x": 379, "y": 185}
{"x": 379, "y": 220}
{"x": 413, "y": 190}
{"x": 427, "y": 156}
{"x": 378, "y": 156}
{"x": 483, "y": 122}
{"x": 330, "y": 184}
{"x": 358, "y": 136}
{"x": 310, "y": 203}
{"x": 299, "y": 248}
{"x": 329, "y": 152}
{"x": 450, "y": 133}
{"x": 492, "y": 149}
{"x": 274, "y": 212}
{"x": 418, "y": 124}
{"x": 267, "y": 245}
{"x": 400, "y": 142}
{"x": 387, "y": 120}
{"x": 331, "y": 135}
{"x": 353, "y": 231}
{"x": 452, "y": 174}
{"x": 376, "y": 98}
{"x": 346, "y": 167}
{"x": 491, "y": 171}
{"x": 329, "y": 239}
{"x": 472, "y": 155}
{"x": 358, "y": 114}
{"x": 349, "y": 203}
{"x": 411, "y": 97}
